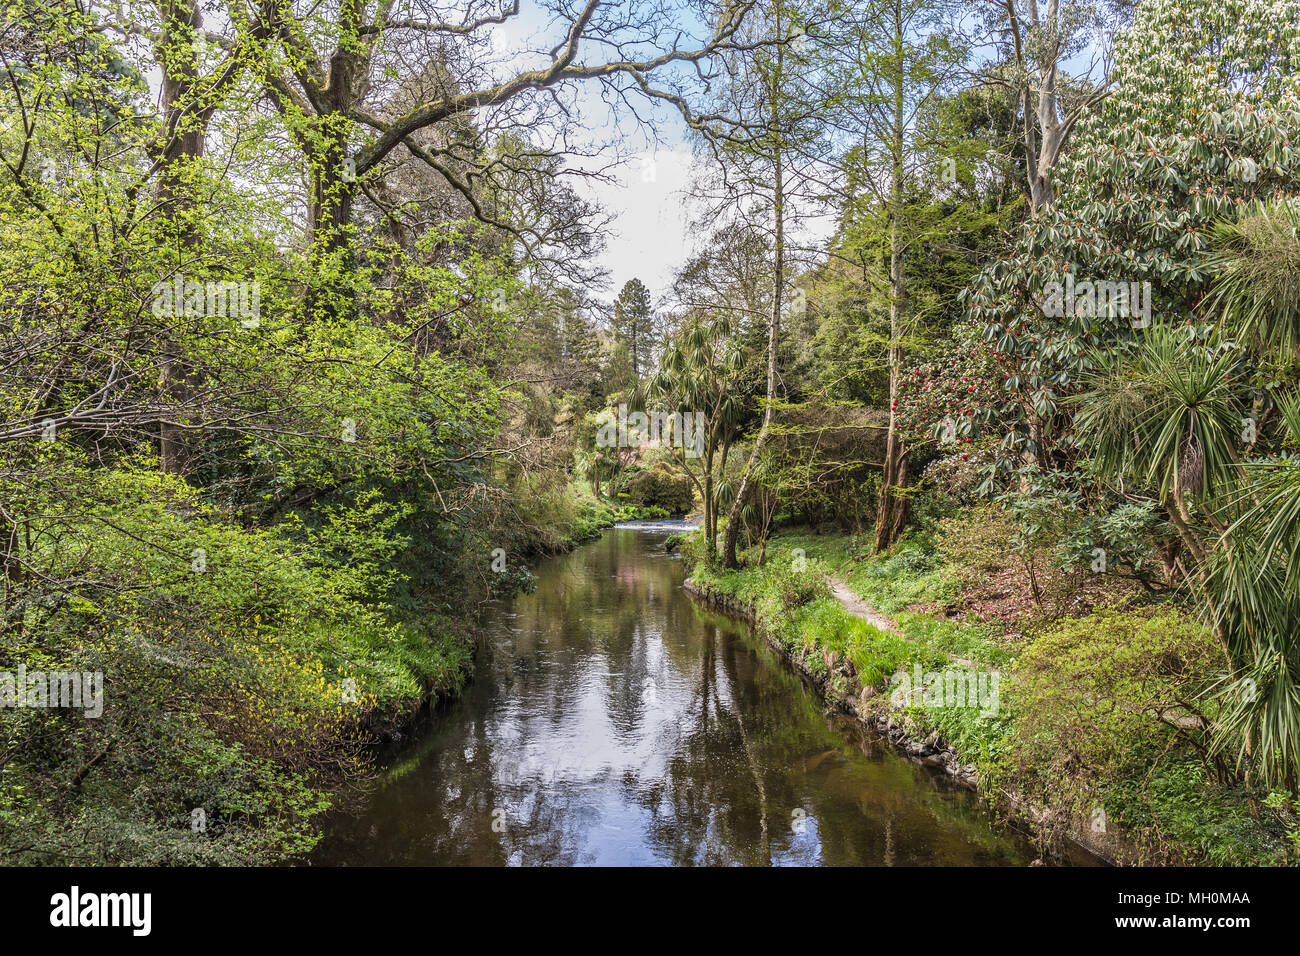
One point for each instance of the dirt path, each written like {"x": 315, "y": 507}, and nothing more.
{"x": 854, "y": 604}
{"x": 860, "y": 608}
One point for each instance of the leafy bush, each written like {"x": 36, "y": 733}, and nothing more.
{"x": 977, "y": 541}
{"x": 1179, "y": 810}
{"x": 1106, "y": 700}
{"x": 241, "y": 684}
{"x": 1126, "y": 536}
{"x": 661, "y": 486}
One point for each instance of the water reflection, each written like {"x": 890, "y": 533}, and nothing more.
{"x": 612, "y": 721}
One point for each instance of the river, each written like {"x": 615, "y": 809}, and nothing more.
{"x": 611, "y": 720}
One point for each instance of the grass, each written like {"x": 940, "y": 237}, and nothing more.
{"x": 1165, "y": 799}
{"x": 824, "y": 625}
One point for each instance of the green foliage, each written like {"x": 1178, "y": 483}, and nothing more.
{"x": 1165, "y": 412}
{"x": 661, "y": 486}
{"x": 979, "y": 738}
{"x": 237, "y": 683}
{"x": 1180, "y": 812}
{"x": 1201, "y": 121}
{"x": 262, "y": 517}
{"x": 1256, "y": 261}
{"x": 977, "y": 541}
{"x": 1102, "y": 701}
{"x": 909, "y": 574}
{"x": 823, "y": 625}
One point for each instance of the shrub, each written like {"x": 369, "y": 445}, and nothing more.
{"x": 660, "y": 485}
{"x": 976, "y": 542}
{"x": 1104, "y": 700}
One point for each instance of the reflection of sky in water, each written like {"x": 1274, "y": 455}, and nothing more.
{"x": 613, "y": 722}
{"x": 596, "y": 751}
{"x": 805, "y": 845}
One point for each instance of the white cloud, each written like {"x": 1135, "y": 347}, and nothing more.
{"x": 649, "y": 234}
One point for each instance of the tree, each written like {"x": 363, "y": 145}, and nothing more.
{"x": 1190, "y": 134}
{"x": 1036, "y": 44}
{"x": 760, "y": 139}
{"x": 634, "y": 322}
{"x": 699, "y": 375}
{"x": 1184, "y": 411}
{"x": 892, "y": 61}
{"x": 331, "y": 468}
{"x": 1174, "y": 391}
{"x": 327, "y": 97}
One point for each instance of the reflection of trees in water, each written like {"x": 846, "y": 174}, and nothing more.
{"x": 607, "y": 689}
{"x": 698, "y": 814}
{"x": 481, "y": 799}
{"x": 752, "y": 721}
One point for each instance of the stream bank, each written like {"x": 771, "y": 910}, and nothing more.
{"x": 836, "y": 680}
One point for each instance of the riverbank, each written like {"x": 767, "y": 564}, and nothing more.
{"x": 437, "y": 661}
{"x": 1077, "y": 726}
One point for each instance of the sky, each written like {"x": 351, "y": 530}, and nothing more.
{"x": 649, "y": 236}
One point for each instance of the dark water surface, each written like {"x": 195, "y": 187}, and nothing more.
{"x": 612, "y": 721}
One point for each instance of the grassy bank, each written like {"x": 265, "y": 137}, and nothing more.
{"x": 1098, "y": 727}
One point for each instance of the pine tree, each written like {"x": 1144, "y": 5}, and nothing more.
{"x": 634, "y": 323}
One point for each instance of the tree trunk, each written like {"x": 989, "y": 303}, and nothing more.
{"x": 773, "y": 335}
{"x": 333, "y": 191}
{"x": 333, "y": 171}
{"x": 891, "y": 510}
{"x": 710, "y": 516}
{"x": 1044, "y": 132}
{"x": 778, "y": 301}
{"x": 183, "y": 146}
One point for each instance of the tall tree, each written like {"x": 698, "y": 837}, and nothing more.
{"x": 761, "y": 136}
{"x": 634, "y": 322}
{"x": 892, "y": 60}
{"x": 330, "y": 77}
{"x": 1054, "y": 58}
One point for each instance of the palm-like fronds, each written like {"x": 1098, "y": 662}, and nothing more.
{"x": 1271, "y": 496}
{"x": 1165, "y": 412}
{"x": 1259, "y": 613}
{"x": 1257, "y": 261}
{"x": 1251, "y": 580}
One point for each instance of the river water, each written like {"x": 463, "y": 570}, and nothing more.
{"x": 613, "y": 721}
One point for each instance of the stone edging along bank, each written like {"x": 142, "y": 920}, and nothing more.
{"x": 871, "y": 707}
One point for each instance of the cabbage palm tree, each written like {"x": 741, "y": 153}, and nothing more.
{"x": 700, "y": 371}
{"x": 1173, "y": 411}
{"x": 1166, "y": 413}
{"x": 1257, "y": 261}
{"x": 1253, "y": 577}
